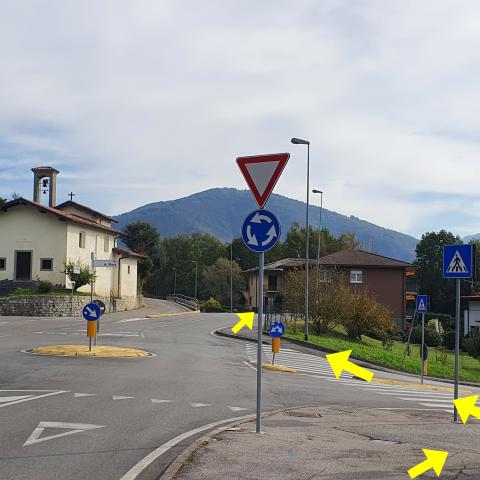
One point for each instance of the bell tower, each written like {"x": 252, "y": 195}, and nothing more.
{"x": 45, "y": 178}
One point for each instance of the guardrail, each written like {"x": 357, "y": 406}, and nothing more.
{"x": 185, "y": 301}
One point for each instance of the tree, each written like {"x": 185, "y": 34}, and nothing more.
{"x": 429, "y": 262}
{"x": 142, "y": 237}
{"x": 216, "y": 281}
{"x": 3, "y": 200}
{"x": 15, "y": 196}
{"x": 81, "y": 279}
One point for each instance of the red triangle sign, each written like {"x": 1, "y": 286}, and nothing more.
{"x": 261, "y": 173}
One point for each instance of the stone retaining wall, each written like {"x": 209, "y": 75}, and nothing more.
{"x": 61, "y": 306}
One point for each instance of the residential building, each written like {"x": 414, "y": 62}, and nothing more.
{"x": 391, "y": 282}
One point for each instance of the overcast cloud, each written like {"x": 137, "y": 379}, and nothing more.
{"x": 141, "y": 101}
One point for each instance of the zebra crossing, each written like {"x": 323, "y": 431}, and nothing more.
{"x": 293, "y": 359}
{"x": 429, "y": 399}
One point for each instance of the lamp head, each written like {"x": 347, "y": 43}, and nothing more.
{"x": 299, "y": 141}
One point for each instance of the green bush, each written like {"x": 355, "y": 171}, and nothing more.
{"x": 447, "y": 321}
{"x": 45, "y": 287}
{"x": 432, "y": 338}
{"x": 472, "y": 344}
{"x": 20, "y": 292}
{"x": 211, "y": 305}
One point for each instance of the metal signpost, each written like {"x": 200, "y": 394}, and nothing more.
{"x": 276, "y": 330}
{"x": 421, "y": 306}
{"x": 457, "y": 263}
{"x": 91, "y": 313}
{"x": 260, "y": 233}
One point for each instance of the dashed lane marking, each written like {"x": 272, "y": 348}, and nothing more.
{"x": 120, "y": 397}
{"x": 198, "y": 405}
{"x": 79, "y": 395}
{"x": 157, "y": 400}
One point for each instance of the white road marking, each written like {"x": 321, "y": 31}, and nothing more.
{"x": 120, "y": 397}
{"x": 236, "y": 409}
{"x": 156, "y": 400}
{"x": 12, "y": 399}
{"x": 79, "y": 395}
{"x": 137, "y": 469}
{"x": 198, "y": 405}
{"x": 119, "y": 335}
{"x": 74, "y": 428}
{"x": 34, "y": 397}
{"x": 126, "y": 320}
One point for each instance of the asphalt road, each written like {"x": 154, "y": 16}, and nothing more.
{"x": 120, "y": 410}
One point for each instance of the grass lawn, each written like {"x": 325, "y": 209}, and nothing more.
{"x": 372, "y": 350}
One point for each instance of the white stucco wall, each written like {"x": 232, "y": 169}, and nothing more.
{"x": 25, "y": 228}
{"x": 94, "y": 243}
{"x": 128, "y": 280}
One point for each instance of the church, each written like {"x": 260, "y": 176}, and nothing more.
{"x": 37, "y": 240}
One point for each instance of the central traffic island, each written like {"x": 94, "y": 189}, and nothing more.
{"x": 84, "y": 351}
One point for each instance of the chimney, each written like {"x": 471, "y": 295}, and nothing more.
{"x": 40, "y": 173}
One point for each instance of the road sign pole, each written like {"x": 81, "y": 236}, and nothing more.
{"x": 457, "y": 346}
{"x": 261, "y": 259}
{"x": 422, "y": 352}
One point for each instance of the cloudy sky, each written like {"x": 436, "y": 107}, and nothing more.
{"x": 148, "y": 100}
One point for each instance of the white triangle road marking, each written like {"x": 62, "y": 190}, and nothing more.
{"x": 197, "y": 405}
{"x": 14, "y": 398}
{"x": 236, "y": 409}
{"x": 78, "y": 395}
{"x": 156, "y": 400}
{"x": 74, "y": 428}
{"x": 120, "y": 397}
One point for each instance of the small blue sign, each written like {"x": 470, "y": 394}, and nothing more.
{"x": 421, "y": 305}
{"x": 261, "y": 231}
{"x": 457, "y": 261}
{"x": 277, "y": 329}
{"x": 91, "y": 312}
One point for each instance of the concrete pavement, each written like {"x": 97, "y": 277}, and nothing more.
{"x": 333, "y": 443}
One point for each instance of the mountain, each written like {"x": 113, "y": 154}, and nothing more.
{"x": 221, "y": 211}
{"x": 468, "y": 238}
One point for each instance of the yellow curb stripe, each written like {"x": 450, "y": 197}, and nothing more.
{"x": 385, "y": 381}
{"x": 160, "y": 315}
{"x": 278, "y": 368}
{"x": 83, "y": 351}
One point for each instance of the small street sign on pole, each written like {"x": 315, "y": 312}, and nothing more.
{"x": 421, "y": 306}
{"x": 458, "y": 262}
{"x": 260, "y": 233}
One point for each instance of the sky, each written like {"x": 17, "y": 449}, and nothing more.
{"x": 148, "y": 100}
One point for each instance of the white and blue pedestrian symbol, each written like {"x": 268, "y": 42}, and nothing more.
{"x": 421, "y": 304}
{"x": 457, "y": 261}
{"x": 277, "y": 329}
{"x": 260, "y": 231}
{"x": 91, "y": 312}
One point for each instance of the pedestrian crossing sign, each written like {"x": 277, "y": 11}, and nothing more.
{"x": 422, "y": 304}
{"x": 458, "y": 261}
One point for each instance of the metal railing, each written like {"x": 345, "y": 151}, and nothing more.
{"x": 188, "y": 302}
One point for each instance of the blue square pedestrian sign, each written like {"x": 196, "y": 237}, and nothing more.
{"x": 458, "y": 261}
{"x": 421, "y": 305}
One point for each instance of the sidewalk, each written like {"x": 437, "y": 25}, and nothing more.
{"x": 331, "y": 443}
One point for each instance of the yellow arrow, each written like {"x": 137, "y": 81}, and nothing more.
{"x": 340, "y": 361}
{"x": 246, "y": 320}
{"x": 435, "y": 459}
{"x": 466, "y": 407}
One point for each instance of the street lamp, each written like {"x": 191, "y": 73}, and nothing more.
{"x": 299, "y": 141}
{"x": 174, "y": 282}
{"x": 196, "y": 276}
{"x": 319, "y": 231}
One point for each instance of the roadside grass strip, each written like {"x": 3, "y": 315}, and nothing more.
{"x": 83, "y": 351}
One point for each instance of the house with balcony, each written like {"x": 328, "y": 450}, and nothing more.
{"x": 391, "y": 282}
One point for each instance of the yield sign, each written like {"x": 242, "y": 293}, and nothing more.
{"x": 261, "y": 173}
